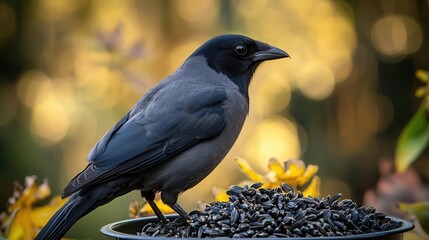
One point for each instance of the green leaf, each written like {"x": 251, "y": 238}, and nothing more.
{"x": 420, "y": 210}
{"x": 413, "y": 140}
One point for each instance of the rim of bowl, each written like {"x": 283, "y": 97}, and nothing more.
{"x": 109, "y": 230}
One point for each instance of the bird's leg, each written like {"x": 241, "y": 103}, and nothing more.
{"x": 170, "y": 198}
{"x": 177, "y": 208}
{"x": 150, "y": 198}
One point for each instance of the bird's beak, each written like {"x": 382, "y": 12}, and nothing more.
{"x": 269, "y": 53}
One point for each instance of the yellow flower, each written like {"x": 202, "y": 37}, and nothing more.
{"x": 220, "y": 194}
{"x": 309, "y": 173}
{"x": 314, "y": 188}
{"x": 143, "y": 210}
{"x": 248, "y": 170}
{"x": 23, "y": 220}
{"x": 292, "y": 172}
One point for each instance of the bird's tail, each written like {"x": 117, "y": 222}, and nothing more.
{"x": 75, "y": 208}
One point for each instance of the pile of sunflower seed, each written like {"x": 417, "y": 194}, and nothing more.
{"x": 258, "y": 212}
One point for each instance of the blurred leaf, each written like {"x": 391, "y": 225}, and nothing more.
{"x": 421, "y": 92}
{"x": 420, "y": 210}
{"x": 413, "y": 139}
{"x": 136, "y": 50}
{"x": 113, "y": 39}
{"x": 422, "y": 75}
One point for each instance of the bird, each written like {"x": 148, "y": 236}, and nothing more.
{"x": 173, "y": 137}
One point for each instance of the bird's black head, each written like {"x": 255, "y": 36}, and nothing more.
{"x": 237, "y": 57}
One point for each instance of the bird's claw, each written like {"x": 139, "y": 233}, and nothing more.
{"x": 191, "y": 223}
{"x": 168, "y": 225}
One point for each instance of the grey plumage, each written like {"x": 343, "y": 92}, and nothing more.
{"x": 175, "y": 135}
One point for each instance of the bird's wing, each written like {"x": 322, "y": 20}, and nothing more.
{"x": 152, "y": 136}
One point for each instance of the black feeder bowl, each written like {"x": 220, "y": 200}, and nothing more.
{"x": 127, "y": 230}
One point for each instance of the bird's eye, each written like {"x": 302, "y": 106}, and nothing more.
{"x": 241, "y": 50}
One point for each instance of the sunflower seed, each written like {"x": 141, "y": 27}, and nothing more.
{"x": 259, "y": 212}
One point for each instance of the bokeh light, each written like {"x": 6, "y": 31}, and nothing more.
{"x": 53, "y": 11}
{"x": 315, "y": 80}
{"x": 49, "y": 121}
{"x": 272, "y": 87}
{"x": 275, "y": 137}
{"x": 200, "y": 13}
{"x": 7, "y": 22}
{"x": 8, "y": 105}
{"x": 334, "y": 186}
{"x": 396, "y": 35}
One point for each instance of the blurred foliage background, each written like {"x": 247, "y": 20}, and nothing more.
{"x": 70, "y": 69}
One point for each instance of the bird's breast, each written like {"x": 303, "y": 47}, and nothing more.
{"x": 193, "y": 165}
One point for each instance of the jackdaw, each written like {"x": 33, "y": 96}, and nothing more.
{"x": 175, "y": 135}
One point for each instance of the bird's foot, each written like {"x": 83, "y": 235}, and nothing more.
{"x": 168, "y": 225}
{"x": 178, "y": 209}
